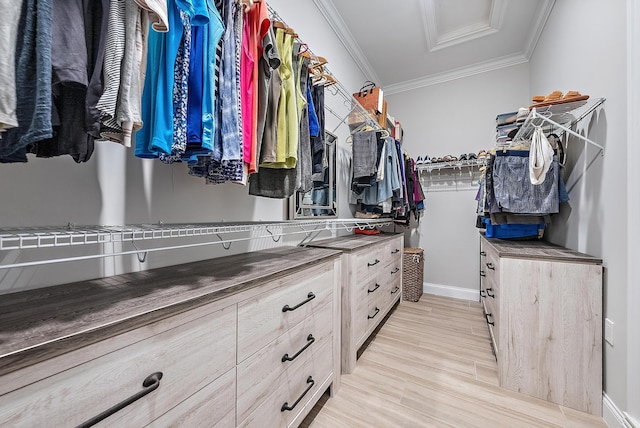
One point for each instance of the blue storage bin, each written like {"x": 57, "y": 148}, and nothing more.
{"x": 513, "y": 230}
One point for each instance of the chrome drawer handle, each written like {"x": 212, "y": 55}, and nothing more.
{"x": 395, "y": 251}
{"x": 374, "y": 263}
{"x": 490, "y": 266}
{"x": 395, "y": 290}
{"x": 487, "y": 318}
{"x": 482, "y": 293}
{"x": 310, "y": 340}
{"x": 489, "y": 294}
{"x": 375, "y": 313}
{"x": 286, "y": 406}
{"x": 150, "y": 384}
{"x": 396, "y": 270}
{"x": 310, "y": 297}
{"x": 374, "y": 288}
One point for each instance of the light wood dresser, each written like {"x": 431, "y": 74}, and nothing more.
{"x": 372, "y": 269}
{"x": 543, "y": 305}
{"x": 249, "y": 340}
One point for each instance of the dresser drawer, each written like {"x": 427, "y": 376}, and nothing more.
{"x": 292, "y": 391}
{"x": 368, "y": 263}
{"x": 212, "y": 406}
{"x": 190, "y": 355}
{"x": 394, "y": 250}
{"x": 270, "y": 314}
{"x": 258, "y": 374}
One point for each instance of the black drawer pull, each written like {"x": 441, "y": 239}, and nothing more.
{"x": 374, "y": 263}
{"x": 489, "y": 322}
{"x": 310, "y": 340}
{"x": 489, "y": 294}
{"x": 374, "y": 288}
{"x": 375, "y": 313}
{"x": 396, "y": 270}
{"x": 310, "y": 297}
{"x": 482, "y": 293}
{"x": 395, "y": 251}
{"x": 483, "y": 254}
{"x": 286, "y": 406}
{"x": 490, "y": 266}
{"x": 150, "y": 384}
{"x": 395, "y": 290}
{"x": 482, "y": 274}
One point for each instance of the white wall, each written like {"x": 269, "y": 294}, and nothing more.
{"x": 115, "y": 187}
{"x": 583, "y": 48}
{"x": 449, "y": 119}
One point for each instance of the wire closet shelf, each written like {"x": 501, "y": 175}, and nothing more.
{"x": 560, "y": 117}
{"x": 226, "y": 233}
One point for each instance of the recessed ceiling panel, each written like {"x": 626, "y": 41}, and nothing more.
{"x": 455, "y": 16}
{"x": 449, "y": 22}
{"x": 411, "y": 42}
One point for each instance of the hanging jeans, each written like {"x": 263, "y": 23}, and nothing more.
{"x": 514, "y": 191}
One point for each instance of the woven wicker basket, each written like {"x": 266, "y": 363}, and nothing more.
{"x": 412, "y": 274}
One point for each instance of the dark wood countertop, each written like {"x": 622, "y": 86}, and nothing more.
{"x": 42, "y": 323}
{"x": 354, "y": 242}
{"x": 539, "y": 250}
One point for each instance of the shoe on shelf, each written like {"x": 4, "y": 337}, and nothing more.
{"x": 427, "y": 159}
{"x": 472, "y": 156}
{"x": 419, "y": 161}
{"x": 463, "y": 157}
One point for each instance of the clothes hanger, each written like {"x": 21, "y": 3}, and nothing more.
{"x": 290, "y": 31}
{"x": 324, "y": 79}
{"x": 304, "y": 50}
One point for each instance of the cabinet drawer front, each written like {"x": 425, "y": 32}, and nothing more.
{"x": 190, "y": 356}
{"x": 490, "y": 263}
{"x": 367, "y": 263}
{"x": 394, "y": 249}
{"x": 288, "y": 388}
{"x": 258, "y": 374}
{"x": 264, "y": 318}
{"x": 212, "y": 406}
{"x": 361, "y": 306}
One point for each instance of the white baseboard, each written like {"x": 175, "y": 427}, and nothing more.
{"x": 613, "y": 416}
{"x": 451, "y": 291}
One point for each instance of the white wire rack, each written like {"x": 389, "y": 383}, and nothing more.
{"x": 226, "y": 233}
{"x": 458, "y": 164}
{"x": 561, "y": 117}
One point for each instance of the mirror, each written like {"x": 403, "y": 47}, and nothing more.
{"x": 321, "y": 201}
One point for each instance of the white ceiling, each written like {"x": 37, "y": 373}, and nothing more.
{"x": 406, "y": 44}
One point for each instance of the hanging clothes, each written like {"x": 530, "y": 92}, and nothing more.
{"x": 156, "y": 136}
{"x": 260, "y": 25}
{"x": 268, "y": 63}
{"x": 247, "y": 92}
{"x": 8, "y": 37}
{"x": 304, "y": 165}
{"x": 287, "y": 117}
{"x": 317, "y": 142}
{"x": 98, "y": 22}
{"x": 225, "y": 161}
{"x": 33, "y": 81}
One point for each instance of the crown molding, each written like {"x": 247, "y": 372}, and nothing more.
{"x": 540, "y": 22}
{"x": 459, "y": 73}
{"x": 437, "y": 41}
{"x": 328, "y": 10}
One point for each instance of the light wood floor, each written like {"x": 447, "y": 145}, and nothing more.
{"x": 431, "y": 365}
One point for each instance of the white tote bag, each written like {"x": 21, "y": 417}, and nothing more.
{"x": 540, "y": 157}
